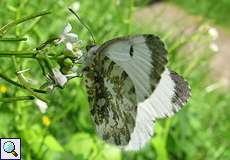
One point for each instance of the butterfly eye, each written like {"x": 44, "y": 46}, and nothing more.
{"x": 88, "y": 47}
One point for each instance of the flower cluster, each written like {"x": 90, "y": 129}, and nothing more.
{"x": 67, "y": 64}
{"x": 211, "y": 35}
{"x": 71, "y": 56}
{"x": 213, "y": 32}
{"x": 58, "y": 65}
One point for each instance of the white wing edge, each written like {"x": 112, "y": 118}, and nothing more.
{"x": 158, "y": 105}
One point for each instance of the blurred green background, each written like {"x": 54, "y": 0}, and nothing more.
{"x": 199, "y": 131}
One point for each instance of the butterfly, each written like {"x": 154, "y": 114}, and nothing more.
{"x": 129, "y": 87}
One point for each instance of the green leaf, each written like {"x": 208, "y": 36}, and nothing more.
{"x": 81, "y": 144}
{"x": 53, "y": 144}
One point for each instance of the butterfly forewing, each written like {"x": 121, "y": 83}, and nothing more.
{"x": 143, "y": 57}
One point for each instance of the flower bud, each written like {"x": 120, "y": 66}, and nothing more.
{"x": 66, "y": 70}
{"x": 68, "y": 62}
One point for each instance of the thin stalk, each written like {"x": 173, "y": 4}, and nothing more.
{"x": 19, "y": 85}
{"x": 48, "y": 63}
{"x": 12, "y": 99}
{"x": 18, "y": 56}
{"x": 192, "y": 65}
{"x": 49, "y": 41}
{"x": 31, "y": 26}
{"x": 25, "y": 54}
{"x": 4, "y": 29}
{"x": 166, "y": 131}
{"x": 42, "y": 67}
{"x": 131, "y": 7}
{"x": 30, "y": 90}
{"x": 18, "y": 53}
{"x": 12, "y": 39}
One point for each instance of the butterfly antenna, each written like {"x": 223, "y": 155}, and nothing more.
{"x": 78, "y": 17}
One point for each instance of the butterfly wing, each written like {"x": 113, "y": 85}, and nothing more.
{"x": 112, "y": 100}
{"x": 159, "y": 92}
{"x": 143, "y": 57}
{"x": 170, "y": 95}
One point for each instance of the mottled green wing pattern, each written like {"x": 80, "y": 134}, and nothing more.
{"x": 112, "y": 99}
{"x": 129, "y": 87}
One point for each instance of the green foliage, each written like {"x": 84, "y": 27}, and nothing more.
{"x": 217, "y": 11}
{"x": 199, "y": 131}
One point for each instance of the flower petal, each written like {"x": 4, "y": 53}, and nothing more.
{"x": 67, "y": 28}
{"x": 71, "y": 37}
{"x": 69, "y": 46}
{"x": 213, "y": 32}
{"x": 214, "y": 47}
{"x": 75, "y": 6}
{"x": 79, "y": 54}
{"x": 60, "y": 79}
{"x": 60, "y": 40}
{"x": 41, "y": 105}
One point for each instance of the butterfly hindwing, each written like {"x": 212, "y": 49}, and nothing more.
{"x": 112, "y": 100}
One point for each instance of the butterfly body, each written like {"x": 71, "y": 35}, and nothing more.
{"x": 129, "y": 86}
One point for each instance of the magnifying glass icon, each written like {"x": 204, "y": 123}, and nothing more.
{"x": 9, "y": 147}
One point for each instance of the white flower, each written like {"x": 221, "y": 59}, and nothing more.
{"x": 74, "y": 48}
{"x": 214, "y": 47}
{"x": 78, "y": 54}
{"x": 59, "y": 78}
{"x": 213, "y": 32}
{"x": 67, "y": 35}
{"x": 41, "y": 105}
{"x": 75, "y": 6}
{"x": 69, "y": 46}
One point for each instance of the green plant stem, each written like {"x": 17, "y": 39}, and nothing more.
{"x": 26, "y": 54}
{"x": 4, "y": 29}
{"x": 12, "y": 99}
{"x": 12, "y": 39}
{"x": 19, "y": 85}
{"x": 17, "y": 53}
{"x": 131, "y": 7}
{"x": 48, "y": 63}
{"x": 49, "y": 41}
{"x": 30, "y": 90}
{"x": 166, "y": 131}
{"x": 42, "y": 67}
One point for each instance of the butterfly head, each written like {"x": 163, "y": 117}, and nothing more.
{"x": 89, "y": 47}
